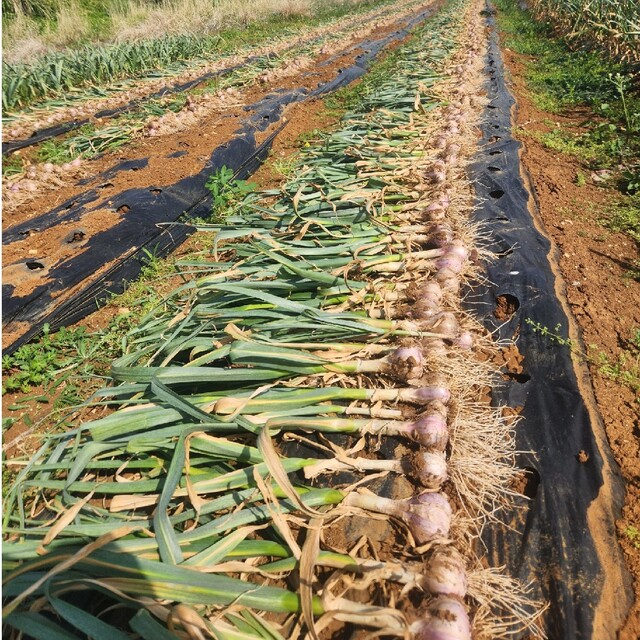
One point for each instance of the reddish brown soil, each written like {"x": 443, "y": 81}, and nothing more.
{"x": 605, "y": 302}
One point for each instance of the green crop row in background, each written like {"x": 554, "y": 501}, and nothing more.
{"x": 94, "y": 60}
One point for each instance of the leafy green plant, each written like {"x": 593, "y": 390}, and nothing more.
{"x": 31, "y": 365}
{"x": 12, "y": 165}
{"x": 623, "y": 216}
{"x": 55, "y": 151}
{"x": 50, "y": 360}
{"x": 554, "y": 335}
{"x": 226, "y": 192}
{"x": 622, "y": 84}
{"x": 630, "y": 180}
{"x": 286, "y": 166}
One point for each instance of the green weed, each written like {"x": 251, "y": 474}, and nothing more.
{"x": 309, "y": 138}
{"x": 98, "y": 15}
{"x": 553, "y": 335}
{"x": 625, "y": 369}
{"x": 561, "y": 76}
{"x": 12, "y": 165}
{"x": 226, "y": 192}
{"x": 30, "y": 366}
{"x": 623, "y": 216}
{"x": 69, "y": 364}
{"x": 633, "y": 533}
{"x": 141, "y": 295}
{"x": 633, "y": 272}
{"x": 286, "y": 166}
{"x": 630, "y": 179}
{"x": 41, "y": 364}
{"x": 54, "y": 151}
{"x": 588, "y": 151}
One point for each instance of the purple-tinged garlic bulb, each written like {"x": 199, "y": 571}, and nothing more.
{"x": 405, "y": 363}
{"x": 425, "y": 395}
{"x": 431, "y": 431}
{"x": 445, "y": 324}
{"x": 464, "y": 341}
{"x": 451, "y": 152}
{"x": 428, "y": 301}
{"x": 457, "y": 248}
{"x": 440, "y": 142}
{"x": 435, "y": 347}
{"x": 428, "y": 515}
{"x": 446, "y": 573}
{"x": 451, "y": 262}
{"x": 437, "y": 174}
{"x": 449, "y": 280}
{"x": 429, "y": 468}
{"x": 447, "y": 619}
{"x": 441, "y": 234}
{"x": 454, "y": 257}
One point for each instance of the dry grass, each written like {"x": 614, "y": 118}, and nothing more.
{"x": 139, "y": 20}
{"x": 21, "y": 40}
{"x": 24, "y": 39}
{"x": 72, "y": 24}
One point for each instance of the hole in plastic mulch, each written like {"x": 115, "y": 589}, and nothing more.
{"x": 496, "y": 194}
{"x": 521, "y": 378}
{"x": 75, "y": 236}
{"x": 34, "y": 265}
{"x": 494, "y": 169}
{"x": 123, "y": 208}
{"x": 156, "y": 192}
{"x": 531, "y": 482}
{"x": 506, "y": 305}
{"x": 497, "y": 152}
